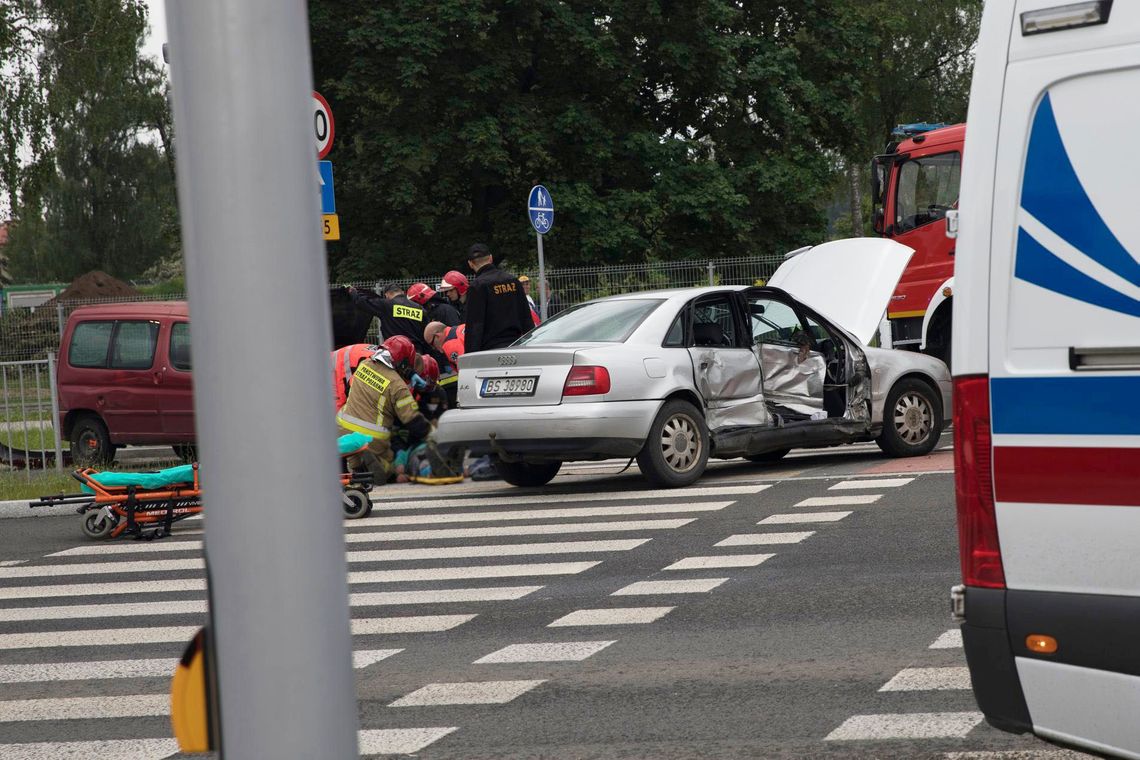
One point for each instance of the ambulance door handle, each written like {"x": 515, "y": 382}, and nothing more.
{"x": 1115, "y": 359}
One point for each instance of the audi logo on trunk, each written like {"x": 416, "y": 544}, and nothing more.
{"x": 507, "y": 360}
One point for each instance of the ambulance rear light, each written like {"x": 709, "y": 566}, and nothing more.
{"x": 586, "y": 381}
{"x": 979, "y": 550}
{"x": 1062, "y": 17}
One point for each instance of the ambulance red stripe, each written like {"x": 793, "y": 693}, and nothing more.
{"x": 1066, "y": 475}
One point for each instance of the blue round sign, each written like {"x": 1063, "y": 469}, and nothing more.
{"x": 540, "y": 206}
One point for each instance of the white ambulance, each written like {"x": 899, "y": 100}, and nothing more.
{"x": 1046, "y": 357}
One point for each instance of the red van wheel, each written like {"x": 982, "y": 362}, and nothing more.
{"x": 90, "y": 441}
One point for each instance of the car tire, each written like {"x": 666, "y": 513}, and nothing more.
{"x": 90, "y": 442}
{"x": 677, "y": 449}
{"x": 525, "y": 474}
{"x": 768, "y": 456}
{"x": 912, "y": 419}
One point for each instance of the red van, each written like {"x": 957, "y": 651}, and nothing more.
{"x": 124, "y": 378}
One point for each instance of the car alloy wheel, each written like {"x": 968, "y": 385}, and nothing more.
{"x": 914, "y": 419}
{"x": 680, "y": 442}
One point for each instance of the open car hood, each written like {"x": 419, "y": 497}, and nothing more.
{"x": 849, "y": 281}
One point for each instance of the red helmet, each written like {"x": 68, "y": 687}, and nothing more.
{"x": 420, "y": 292}
{"x": 430, "y": 371}
{"x": 403, "y": 353}
{"x": 456, "y": 280}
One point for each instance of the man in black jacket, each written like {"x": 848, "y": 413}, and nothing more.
{"x": 497, "y": 311}
{"x": 398, "y": 315}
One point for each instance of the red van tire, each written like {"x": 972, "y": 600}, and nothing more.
{"x": 90, "y": 441}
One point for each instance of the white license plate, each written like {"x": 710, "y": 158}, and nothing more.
{"x": 508, "y": 386}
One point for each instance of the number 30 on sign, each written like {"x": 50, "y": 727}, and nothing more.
{"x": 330, "y": 226}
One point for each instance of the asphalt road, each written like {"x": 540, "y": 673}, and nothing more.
{"x": 614, "y": 622}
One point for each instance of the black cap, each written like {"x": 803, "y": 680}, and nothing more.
{"x": 478, "y": 251}
{"x": 387, "y": 287}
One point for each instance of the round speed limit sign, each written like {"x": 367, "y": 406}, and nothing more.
{"x": 323, "y": 127}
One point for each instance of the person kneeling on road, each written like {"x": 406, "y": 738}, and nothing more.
{"x": 378, "y": 399}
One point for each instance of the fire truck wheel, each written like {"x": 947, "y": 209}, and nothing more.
{"x": 360, "y": 505}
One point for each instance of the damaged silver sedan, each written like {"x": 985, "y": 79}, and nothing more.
{"x": 675, "y": 377}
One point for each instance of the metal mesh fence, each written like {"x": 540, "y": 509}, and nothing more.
{"x": 27, "y": 418}
{"x": 30, "y": 333}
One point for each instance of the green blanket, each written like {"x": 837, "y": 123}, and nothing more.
{"x": 171, "y": 476}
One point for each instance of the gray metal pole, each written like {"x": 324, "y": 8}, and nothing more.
{"x": 60, "y": 320}
{"x": 712, "y": 268}
{"x": 57, "y": 429}
{"x": 257, "y": 285}
{"x": 541, "y": 282}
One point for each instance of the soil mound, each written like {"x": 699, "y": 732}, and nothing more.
{"x": 95, "y": 285}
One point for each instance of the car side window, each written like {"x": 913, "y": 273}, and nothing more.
{"x": 180, "y": 346}
{"x": 133, "y": 345}
{"x": 714, "y": 324}
{"x": 675, "y": 337}
{"x": 89, "y": 344}
{"x": 774, "y": 322}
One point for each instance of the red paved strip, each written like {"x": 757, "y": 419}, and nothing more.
{"x": 938, "y": 461}
{"x": 1058, "y": 475}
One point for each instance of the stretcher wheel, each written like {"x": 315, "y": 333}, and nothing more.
{"x": 356, "y": 504}
{"x": 97, "y": 524}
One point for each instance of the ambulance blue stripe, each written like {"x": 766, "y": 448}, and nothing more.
{"x": 1052, "y": 192}
{"x": 1065, "y": 405}
{"x": 1035, "y": 264}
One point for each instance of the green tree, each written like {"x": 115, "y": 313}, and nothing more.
{"x": 665, "y": 129}
{"x": 97, "y": 191}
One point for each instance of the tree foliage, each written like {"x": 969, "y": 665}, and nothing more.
{"x": 87, "y": 185}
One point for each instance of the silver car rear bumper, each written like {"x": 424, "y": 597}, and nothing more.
{"x": 564, "y": 432}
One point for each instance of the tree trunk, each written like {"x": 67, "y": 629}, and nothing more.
{"x": 853, "y": 181}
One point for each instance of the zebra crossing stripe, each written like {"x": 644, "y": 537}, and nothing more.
{"x": 468, "y": 693}
{"x": 561, "y": 498}
{"x": 754, "y": 539}
{"x": 499, "y": 550}
{"x": 75, "y": 708}
{"x": 118, "y": 749}
{"x": 848, "y": 485}
{"x": 572, "y": 651}
{"x": 399, "y": 741}
{"x": 717, "y": 562}
{"x": 153, "y": 588}
{"x": 929, "y": 679}
{"x": 539, "y": 514}
{"x": 617, "y": 616}
{"x": 409, "y": 624}
{"x": 476, "y": 571}
{"x": 81, "y": 611}
{"x": 906, "y": 726}
{"x": 102, "y": 568}
{"x": 804, "y": 517}
{"x": 952, "y": 639}
{"x": 840, "y": 501}
{"x": 694, "y": 586}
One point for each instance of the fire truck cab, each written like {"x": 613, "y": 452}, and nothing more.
{"x": 914, "y": 182}
{"x": 1046, "y": 359}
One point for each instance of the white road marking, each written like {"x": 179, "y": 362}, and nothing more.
{"x": 694, "y": 586}
{"x": 840, "y": 501}
{"x": 409, "y": 624}
{"x": 466, "y": 573}
{"x": 498, "y": 550}
{"x": 12, "y": 562}
{"x": 848, "y": 485}
{"x": 440, "y": 596}
{"x": 562, "y": 498}
{"x": 541, "y": 514}
{"x": 83, "y": 671}
{"x": 1019, "y": 754}
{"x": 928, "y": 679}
{"x": 365, "y": 657}
{"x": 78, "y": 611}
{"x": 377, "y": 537}
{"x": 952, "y": 639}
{"x": 118, "y": 749}
{"x": 103, "y": 589}
{"x": 617, "y": 616}
{"x": 469, "y": 693}
{"x": 752, "y": 539}
{"x": 102, "y": 568}
{"x": 73, "y": 708}
{"x": 572, "y": 651}
{"x": 906, "y": 726}
{"x": 399, "y": 741}
{"x": 804, "y": 517}
{"x": 100, "y": 637}
{"x": 726, "y": 560}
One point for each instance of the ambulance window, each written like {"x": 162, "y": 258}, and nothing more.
{"x": 927, "y": 189}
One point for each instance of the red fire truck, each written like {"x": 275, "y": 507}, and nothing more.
{"x": 914, "y": 182}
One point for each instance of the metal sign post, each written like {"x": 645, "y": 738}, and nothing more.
{"x": 242, "y": 83}
{"x": 540, "y": 207}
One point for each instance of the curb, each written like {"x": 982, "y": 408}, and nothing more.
{"x": 13, "y": 509}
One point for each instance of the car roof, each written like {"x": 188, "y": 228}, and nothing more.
{"x": 133, "y": 309}
{"x": 680, "y": 294}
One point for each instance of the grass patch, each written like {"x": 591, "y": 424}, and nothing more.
{"x": 17, "y": 485}
{"x": 34, "y": 439}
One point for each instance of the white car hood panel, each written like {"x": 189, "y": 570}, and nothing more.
{"x": 850, "y": 281}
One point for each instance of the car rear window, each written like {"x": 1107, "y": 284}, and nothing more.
{"x": 597, "y": 322}
{"x": 89, "y": 344}
{"x": 134, "y": 345}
